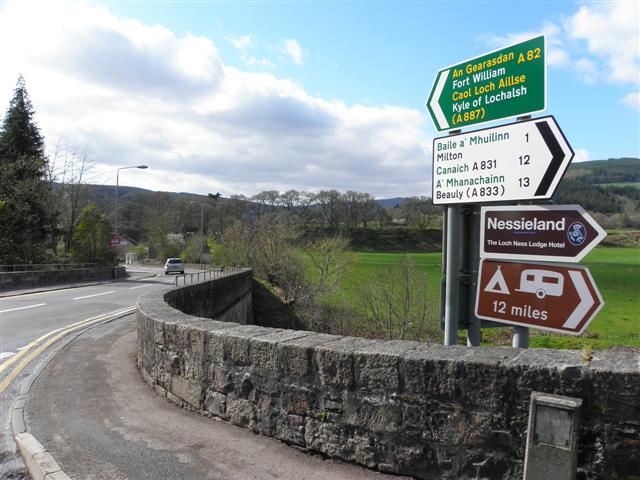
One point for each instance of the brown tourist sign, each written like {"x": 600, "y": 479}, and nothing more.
{"x": 558, "y": 298}
{"x": 564, "y": 233}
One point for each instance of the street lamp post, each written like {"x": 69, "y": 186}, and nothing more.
{"x": 201, "y": 231}
{"x": 115, "y": 211}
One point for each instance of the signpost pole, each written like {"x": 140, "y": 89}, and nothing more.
{"x": 520, "y": 337}
{"x": 473, "y": 322}
{"x": 451, "y": 307}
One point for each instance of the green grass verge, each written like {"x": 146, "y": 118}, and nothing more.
{"x": 616, "y": 272}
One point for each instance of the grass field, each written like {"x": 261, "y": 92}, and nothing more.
{"x": 616, "y": 271}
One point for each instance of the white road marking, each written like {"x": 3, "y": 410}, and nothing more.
{"x": 22, "y": 308}
{"x": 140, "y": 286}
{"x": 95, "y": 295}
{"x": 6, "y": 354}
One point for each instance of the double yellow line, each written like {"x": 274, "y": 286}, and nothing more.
{"x": 49, "y": 339}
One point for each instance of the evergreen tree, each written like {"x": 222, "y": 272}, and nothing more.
{"x": 23, "y": 191}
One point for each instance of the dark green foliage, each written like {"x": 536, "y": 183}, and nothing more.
{"x": 620, "y": 170}
{"x": 91, "y": 238}
{"x": 23, "y": 191}
{"x": 592, "y": 197}
{"x": 599, "y": 186}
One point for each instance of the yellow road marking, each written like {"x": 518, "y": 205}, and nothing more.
{"x": 29, "y": 346}
{"x": 61, "y": 332}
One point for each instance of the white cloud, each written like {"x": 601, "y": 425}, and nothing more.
{"x": 134, "y": 94}
{"x": 293, "y": 49}
{"x": 611, "y": 32}
{"x": 588, "y": 70}
{"x": 632, "y": 100}
{"x": 257, "y": 62}
{"x": 242, "y": 42}
{"x": 582, "y": 155}
{"x": 556, "y": 52}
{"x": 600, "y": 42}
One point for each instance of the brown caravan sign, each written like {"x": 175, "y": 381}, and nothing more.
{"x": 558, "y": 298}
{"x": 564, "y": 233}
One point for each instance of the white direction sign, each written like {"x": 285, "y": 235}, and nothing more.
{"x": 521, "y": 161}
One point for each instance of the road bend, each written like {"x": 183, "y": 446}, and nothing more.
{"x": 33, "y": 326}
{"x": 99, "y": 420}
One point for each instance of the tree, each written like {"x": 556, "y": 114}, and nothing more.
{"x": 330, "y": 260}
{"x": 66, "y": 175}
{"x": 330, "y": 202}
{"x": 90, "y": 242}
{"x": 419, "y": 212}
{"x": 23, "y": 230}
{"x": 397, "y": 304}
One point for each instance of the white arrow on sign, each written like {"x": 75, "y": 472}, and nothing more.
{"x": 435, "y": 105}
{"x": 586, "y": 300}
{"x": 521, "y": 161}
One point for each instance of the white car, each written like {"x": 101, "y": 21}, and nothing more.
{"x": 173, "y": 265}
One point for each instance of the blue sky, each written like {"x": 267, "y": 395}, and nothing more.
{"x": 240, "y": 97}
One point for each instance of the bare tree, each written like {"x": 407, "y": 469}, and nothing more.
{"x": 330, "y": 202}
{"x": 67, "y": 175}
{"x": 397, "y": 304}
{"x": 330, "y": 260}
{"x": 419, "y": 212}
{"x": 290, "y": 200}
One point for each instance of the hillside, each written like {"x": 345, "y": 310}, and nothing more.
{"x": 609, "y": 189}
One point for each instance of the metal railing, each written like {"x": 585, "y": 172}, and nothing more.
{"x": 192, "y": 278}
{"x": 30, "y": 267}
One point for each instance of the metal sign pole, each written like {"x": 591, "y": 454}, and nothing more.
{"x": 452, "y": 290}
{"x": 473, "y": 322}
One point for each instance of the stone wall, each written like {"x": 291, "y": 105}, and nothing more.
{"x": 424, "y": 410}
{"x": 38, "y": 278}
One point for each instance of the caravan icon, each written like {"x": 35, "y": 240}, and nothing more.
{"x": 541, "y": 282}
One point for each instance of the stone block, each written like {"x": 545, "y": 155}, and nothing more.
{"x": 299, "y": 400}
{"x": 373, "y": 413}
{"x": 158, "y": 332}
{"x": 297, "y": 355}
{"x": 215, "y": 403}
{"x": 221, "y": 379}
{"x": 614, "y": 372}
{"x": 290, "y": 429}
{"x": 335, "y": 360}
{"x": 559, "y": 372}
{"x": 340, "y": 442}
{"x": 326, "y": 438}
{"x": 429, "y": 369}
{"x": 239, "y": 411}
{"x": 236, "y": 342}
{"x": 187, "y": 390}
{"x": 376, "y": 365}
{"x": 263, "y": 350}
{"x": 265, "y": 414}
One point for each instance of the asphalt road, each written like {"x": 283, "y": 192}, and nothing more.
{"x": 34, "y": 322}
{"x": 91, "y": 409}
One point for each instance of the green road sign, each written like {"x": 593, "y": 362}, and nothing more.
{"x": 500, "y": 84}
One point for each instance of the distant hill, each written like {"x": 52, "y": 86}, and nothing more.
{"x": 608, "y": 187}
{"x": 602, "y": 186}
{"x": 389, "y": 202}
{"x": 597, "y": 172}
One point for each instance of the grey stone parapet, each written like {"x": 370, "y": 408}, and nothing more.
{"x": 39, "y": 278}
{"x": 406, "y": 407}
